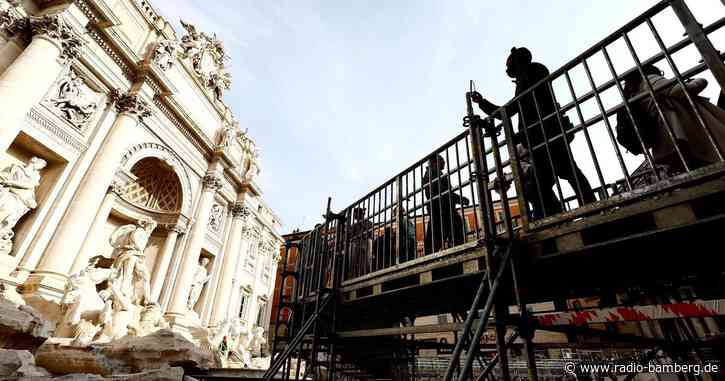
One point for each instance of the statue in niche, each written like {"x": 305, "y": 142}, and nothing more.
{"x": 252, "y": 168}
{"x": 72, "y": 102}
{"x": 17, "y": 197}
{"x": 201, "y": 277}
{"x": 130, "y": 280}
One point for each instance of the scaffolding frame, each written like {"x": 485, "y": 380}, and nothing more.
{"x": 372, "y": 236}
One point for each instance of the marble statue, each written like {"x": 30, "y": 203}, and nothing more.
{"x": 219, "y": 81}
{"x": 81, "y": 300}
{"x": 84, "y": 333}
{"x": 72, "y": 102}
{"x": 229, "y": 134}
{"x": 151, "y": 319}
{"x": 256, "y": 342}
{"x": 130, "y": 281}
{"x": 201, "y": 276}
{"x": 17, "y": 197}
{"x": 252, "y": 168}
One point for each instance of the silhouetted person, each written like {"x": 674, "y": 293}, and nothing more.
{"x": 721, "y": 100}
{"x": 445, "y": 224}
{"x": 405, "y": 236}
{"x": 527, "y": 74}
{"x": 358, "y": 233}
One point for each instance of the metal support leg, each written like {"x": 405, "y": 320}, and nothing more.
{"x": 501, "y": 318}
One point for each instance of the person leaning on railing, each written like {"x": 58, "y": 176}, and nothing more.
{"x": 691, "y": 138}
{"x": 527, "y": 74}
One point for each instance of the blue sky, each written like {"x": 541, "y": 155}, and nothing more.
{"x": 341, "y": 95}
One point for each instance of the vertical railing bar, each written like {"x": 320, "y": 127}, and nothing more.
{"x": 516, "y": 171}
{"x": 499, "y": 173}
{"x": 415, "y": 215}
{"x": 451, "y": 203}
{"x": 399, "y": 220}
{"x": 628, "y": 108}
{"x": 464, "y": 219}
{"x": 440, "y": 206}
{"x": 550, "y": 159}
{"x": 660, "y": 112}
{"x": 569, "y": 154}
{"x": 431, "y": 226}
{"x": 608, "y": 127}
{"x": 697, "y": 35}
{"x": 587, "y": 137}
{"x": 472, "y": 179}
{"x": 368, "y": 238}
{"x": 685, "y": 90}
{"x": 530, "y": 152}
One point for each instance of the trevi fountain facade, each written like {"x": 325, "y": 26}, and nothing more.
{"x": 130, "y": 220}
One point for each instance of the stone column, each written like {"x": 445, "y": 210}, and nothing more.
{"x": 95, "y": 233}
{"x": 75, "y": 224}
{"x": 177, "y": 306}
{"x": 24, "y": 83}
{"x": 222, "y": 299}
{"x": 162, "y": 266}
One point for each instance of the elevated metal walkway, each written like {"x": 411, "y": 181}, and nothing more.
{"x": 471, "y": 228}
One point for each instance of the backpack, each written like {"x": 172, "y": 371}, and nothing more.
{"x": 646, "y": 125}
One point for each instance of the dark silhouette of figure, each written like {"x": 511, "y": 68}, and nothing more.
{"x": 360, "y": 228}
{"x": 527, "y": 74}
{"x": 445, "y": 224}
{"x": 721, "y": 100}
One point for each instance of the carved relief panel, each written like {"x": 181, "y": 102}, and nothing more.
{"x": 73, "y": 100}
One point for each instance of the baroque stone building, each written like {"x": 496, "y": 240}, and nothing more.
{"x": 116, "y": 142}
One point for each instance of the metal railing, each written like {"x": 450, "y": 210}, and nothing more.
{"x": 556, "y": 149}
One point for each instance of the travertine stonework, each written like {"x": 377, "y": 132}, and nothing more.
{"x": 128, "y": 201}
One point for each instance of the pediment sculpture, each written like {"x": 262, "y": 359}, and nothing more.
{"x": 17, "y": 197}
{"x": 206, "y": 54}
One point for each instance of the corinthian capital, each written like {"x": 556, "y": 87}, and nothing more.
{"x": 212, "y": 182}
{"x": 12, "y": 21}
{"x": 240, "y": 211}
{"x": 56, "y": 29}
{"x": 131, "y": 104}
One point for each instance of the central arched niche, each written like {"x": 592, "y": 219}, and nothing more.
{"x": 155, "y": 186}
